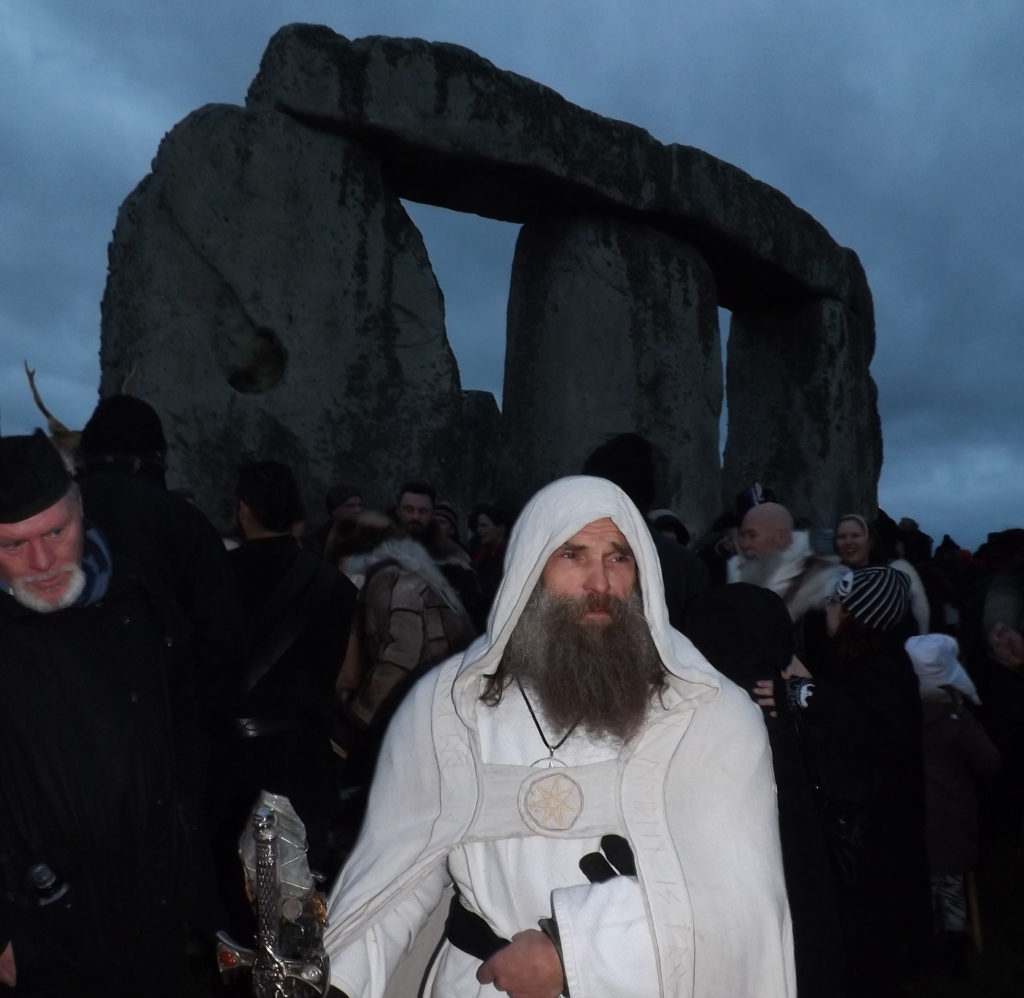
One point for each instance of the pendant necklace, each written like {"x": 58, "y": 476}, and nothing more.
{"x": 550, "y": 761}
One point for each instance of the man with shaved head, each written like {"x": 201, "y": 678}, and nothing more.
{"x": 776, "y": 556}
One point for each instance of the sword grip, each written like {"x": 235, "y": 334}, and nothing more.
{"x": 267, "y": 972}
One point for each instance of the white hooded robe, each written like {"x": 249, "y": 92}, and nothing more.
{"x": 457, "y": 799}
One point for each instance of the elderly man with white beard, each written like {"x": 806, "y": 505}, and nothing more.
{"x": 599, "y": 796}
{"x": 89, "y": 772}
{"x": 775, "y": 556}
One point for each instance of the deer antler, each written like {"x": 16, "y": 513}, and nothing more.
{"x": 39, "y": 402}
{"x": 65, "y": 440}
{"x": 126, "y": 384}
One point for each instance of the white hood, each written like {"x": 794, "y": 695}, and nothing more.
{"x": 550, "y": 518}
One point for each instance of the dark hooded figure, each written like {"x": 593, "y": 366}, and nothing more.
{"x": 629, "y": 460}
{"x": 745, "y": 632}
{"x": 123, "y": 458}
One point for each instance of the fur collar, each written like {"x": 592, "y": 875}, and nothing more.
{"x": 801, "y": 577}
{"x": 413, "y": 557}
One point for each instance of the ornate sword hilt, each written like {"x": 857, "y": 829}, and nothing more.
{"x": 274, "y": 975}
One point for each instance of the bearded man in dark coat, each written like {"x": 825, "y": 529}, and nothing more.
{"x": 90, "y": 775}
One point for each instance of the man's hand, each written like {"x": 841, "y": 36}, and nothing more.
{"x": 527, "y": 968}
{"x": 764, "y": 695}
{"x": 8, "y": 971}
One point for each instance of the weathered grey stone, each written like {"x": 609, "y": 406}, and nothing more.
{"x": 803, "y": 415}
{"x": 276, "y": 301}
{"x": 453, "y": 130}
{"x": 612, "y": 328}
{"x": 481, "y": 428}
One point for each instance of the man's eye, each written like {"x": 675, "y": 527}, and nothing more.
{"x": 569, "y": 554}
{"x": 10, "y": 545}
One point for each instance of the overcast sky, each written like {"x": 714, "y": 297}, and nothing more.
{"x": 899, "y": 124}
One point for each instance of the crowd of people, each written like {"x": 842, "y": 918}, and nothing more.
{"x": 769, "y": 760}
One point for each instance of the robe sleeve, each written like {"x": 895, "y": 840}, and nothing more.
{"x": 364, "y": 967}
{"x": 606, "y": 939}
{"x": 397, "y": 872}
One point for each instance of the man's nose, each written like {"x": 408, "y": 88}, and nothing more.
{"x": 596, "y": 580}
{"x": 40, "y": 557}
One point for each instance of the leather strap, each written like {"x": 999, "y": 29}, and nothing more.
{"x": 303, "y": 589}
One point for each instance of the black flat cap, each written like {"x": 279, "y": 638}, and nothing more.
{"x": 33, "y": 476}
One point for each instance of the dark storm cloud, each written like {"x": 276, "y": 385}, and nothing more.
{"x": 898, "y": 126}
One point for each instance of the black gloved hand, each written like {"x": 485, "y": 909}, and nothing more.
{"x": 617, "y": 861}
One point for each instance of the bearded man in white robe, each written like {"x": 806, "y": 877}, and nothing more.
{"x": 599, "y": 796}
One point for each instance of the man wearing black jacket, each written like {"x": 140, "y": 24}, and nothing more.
{"x": 298, "y": 613}
{"x": 94, "y": 791}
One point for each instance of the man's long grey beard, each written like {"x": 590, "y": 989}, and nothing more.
{"x": 760, "y": 571}
{"x": 599, "y": 675}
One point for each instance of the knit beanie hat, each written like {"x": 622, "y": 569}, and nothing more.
{"x": 446, "y": 511}
{"x": 877, "y": 596}
{"x": 33, "y": 476}
{"x": 123, "y": 424}
{"x": 936, "y": 664}
{"x": 337, "y": 494}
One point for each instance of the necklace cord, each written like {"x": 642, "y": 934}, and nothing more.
{"x": 540, "y": 731}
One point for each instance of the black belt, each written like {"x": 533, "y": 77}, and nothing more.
{"x": 258, "y": 727}
{"x": 470, "y": 933}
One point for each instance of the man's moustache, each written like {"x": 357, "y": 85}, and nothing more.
{"x": 598, "y": 603}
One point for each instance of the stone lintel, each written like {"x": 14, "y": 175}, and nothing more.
{"x": 455, "y": 131}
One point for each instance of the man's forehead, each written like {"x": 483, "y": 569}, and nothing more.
{"x": 415, "y": 499}
{"x": 759, "y": 518}
{"x": 61, "y": 512}
{"x": 603, "y": 531}
{"x": 768, "y": 516}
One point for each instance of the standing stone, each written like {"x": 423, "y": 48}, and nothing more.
{"x": 275, "y": 301}
{"x": 482, "y": 430}
{"x": 803, "y": 416}
{"x": 612, "y": 328}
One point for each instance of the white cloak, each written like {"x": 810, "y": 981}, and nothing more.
{"x": 456, "y": 799}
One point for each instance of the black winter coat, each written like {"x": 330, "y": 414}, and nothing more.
{"x": 862, "y": 729}
{"x": 92, "y": 784}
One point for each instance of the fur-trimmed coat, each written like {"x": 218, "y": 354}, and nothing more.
{"x": 409, "y": 619}
{"x": 803, "y": 578}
